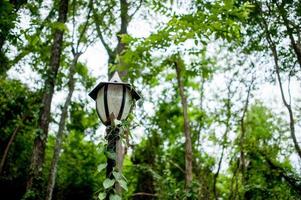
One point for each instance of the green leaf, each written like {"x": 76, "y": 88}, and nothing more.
{"x": 115, "y": 197}
{"x": 228, "y": 4}
{"x": 59, "y": 25}
{"x": 108, "y": 183}
{"x": 101, "y": 195}
{"x": 117, "y": 176}
{"x": 123, "y": 184}
{"x": 120, "y": 179}
{"x": 125, "y": 38}
{"x": 111, "y": 155}
{"x": 117, "y": 122}
{"x": 101, "y": 167}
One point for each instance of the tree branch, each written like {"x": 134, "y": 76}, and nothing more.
{"x": 28, "y": 48}
{"x": 99, "y": 33}
{"x": 286, "y": 23}
{"x": 143, "y": 194}
{"x": 225, "y": 135}
{"x": 85, "y": 26}
{"x": 135, "y": 11}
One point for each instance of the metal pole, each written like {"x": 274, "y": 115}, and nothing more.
{"x": 112, "y": 137}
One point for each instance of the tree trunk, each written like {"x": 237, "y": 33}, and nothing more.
{"x": 228, "y": 106}
{"x": 215, "y": 177}
{"x": 60, "y": 133}
{"x": 34, "y": 182}
{"x": 217, "y": 173}
{"x": 242, "y": 159}
{"x": 120, "y": 149}
{"x": 273, "y": 48}
{"x": 188, "y": 143}
{"x": 71, "y": 86}
{"x": 233, "y": 185}
{"x": 124, "y": 17}
{"x": 289, "y": 109}
{"x": 12, "y": 137}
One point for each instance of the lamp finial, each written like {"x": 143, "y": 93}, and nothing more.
{"x": 115, "y": 78}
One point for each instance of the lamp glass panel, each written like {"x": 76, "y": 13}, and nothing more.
{"x": 127, "y": 104}
{"x": 114, "y": 96}
{"x": 100, "y": 105}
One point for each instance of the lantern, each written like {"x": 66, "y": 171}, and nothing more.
{"x": 114, "y": 99}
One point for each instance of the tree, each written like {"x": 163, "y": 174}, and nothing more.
{"x": 18, "y": 118}
{"x": 179, "y": 65}
{"x": 33, "y": 182}
{"x": 268, "y": 17}
{"x": 77, "y": 175}
{"x": 76, "y": 52}
{"x": 261, "y": 150}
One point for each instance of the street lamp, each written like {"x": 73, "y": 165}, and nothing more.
{"x": 114, "y": 101}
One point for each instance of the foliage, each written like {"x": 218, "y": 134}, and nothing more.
{"x": 19, "y": 112}
{"x": 261, "y": 145}
{"x": 229, "y": 52}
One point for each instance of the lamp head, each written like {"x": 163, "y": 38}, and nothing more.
{"x": 114, "y": 99}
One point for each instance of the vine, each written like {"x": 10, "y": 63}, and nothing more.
{"x": 113, "y": 176}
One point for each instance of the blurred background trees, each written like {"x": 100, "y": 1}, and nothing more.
{"x": 220, "y": 118}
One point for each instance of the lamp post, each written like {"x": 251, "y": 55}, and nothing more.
{"x": 114, "y": 101}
